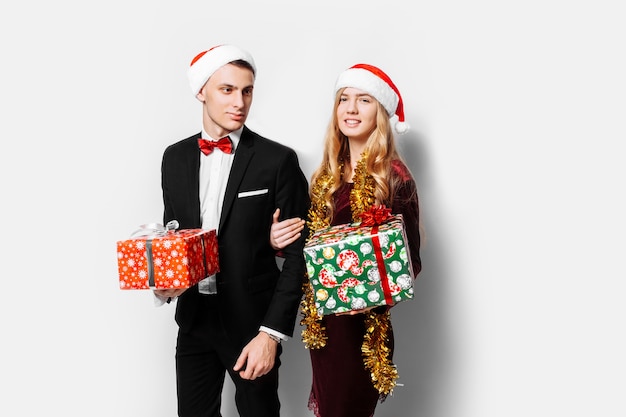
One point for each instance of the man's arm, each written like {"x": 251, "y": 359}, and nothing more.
{"x": 292, "y": 198}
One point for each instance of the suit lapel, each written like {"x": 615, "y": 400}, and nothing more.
{"x": 243, "y": 155}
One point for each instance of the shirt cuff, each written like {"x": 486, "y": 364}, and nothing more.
{"x": 273, "y": 333}
{"x": 159, "y": 301}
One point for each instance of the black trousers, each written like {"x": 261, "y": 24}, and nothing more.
{"x": 203, "y": 356}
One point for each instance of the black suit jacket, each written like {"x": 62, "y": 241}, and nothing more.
{"x": 252, "y": 290}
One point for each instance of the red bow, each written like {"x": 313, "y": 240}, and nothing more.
{"x": 207, "y": 146}
{"x": 375, "y": 215}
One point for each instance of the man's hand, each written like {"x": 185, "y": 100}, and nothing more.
{"x": 257, "y": 357}
{"x": 170, "y": 292}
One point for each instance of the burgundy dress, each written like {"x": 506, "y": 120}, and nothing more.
{"x": 342, "y": 387}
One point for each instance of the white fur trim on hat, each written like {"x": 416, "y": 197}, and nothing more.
{"x": 376, "y": 83}
{"x": 400, "y": 127}
{"x": 207, "y": 62}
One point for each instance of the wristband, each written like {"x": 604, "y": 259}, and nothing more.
{"x": 274, "y": 338}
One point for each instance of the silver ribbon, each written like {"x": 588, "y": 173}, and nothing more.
{"x": 154, "y": 230}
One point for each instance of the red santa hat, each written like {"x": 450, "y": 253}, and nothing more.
{"x": 207, "y": 62}
{"x": 376, "y": 83}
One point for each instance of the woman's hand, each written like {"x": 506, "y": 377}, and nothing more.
{"x": 286, "y": 232}
{"x": 355, "y": 312}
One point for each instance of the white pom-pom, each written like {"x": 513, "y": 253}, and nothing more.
{"x": 402, "y": 127}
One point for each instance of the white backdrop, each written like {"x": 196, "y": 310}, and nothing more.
{"x": 517, "y": 112}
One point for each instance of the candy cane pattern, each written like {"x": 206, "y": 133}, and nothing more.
{"x": 342, "y": 292}
{"x": 357, "y": 270}
{"x": 327, "y": 278}
{"x": 348, "y": 259}
{"x": 390, "y": 251}
{"x": 394, "y": 288}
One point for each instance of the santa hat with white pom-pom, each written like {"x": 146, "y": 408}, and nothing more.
{"x": 376, "y": 83}
{"x": 207, "y": 62}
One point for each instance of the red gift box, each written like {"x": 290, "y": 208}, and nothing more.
{"x": 167, "y": 259}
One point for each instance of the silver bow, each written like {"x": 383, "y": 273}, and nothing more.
{"x": 156, "y": 229}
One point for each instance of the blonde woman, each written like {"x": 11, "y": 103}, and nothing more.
{"x": 351, "y": 353}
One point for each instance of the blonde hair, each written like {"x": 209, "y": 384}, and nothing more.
{"x": 380, "y": 150}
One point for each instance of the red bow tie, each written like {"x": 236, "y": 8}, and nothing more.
{"x": 207, "y": 146}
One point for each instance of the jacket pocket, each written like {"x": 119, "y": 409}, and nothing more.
{"x": 252, "y": 193}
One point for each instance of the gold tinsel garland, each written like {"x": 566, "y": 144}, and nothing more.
{"x": 376, "y": 352}
{"x": 362, "y": 194}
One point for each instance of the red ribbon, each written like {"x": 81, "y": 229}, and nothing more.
{"x": 374, "y": 217}
{"x": 382, "y": 270}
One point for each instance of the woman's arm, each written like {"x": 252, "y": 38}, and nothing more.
{"x": 285, "y": 232}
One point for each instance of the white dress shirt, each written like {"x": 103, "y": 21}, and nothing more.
{"x": 214, "y": 172}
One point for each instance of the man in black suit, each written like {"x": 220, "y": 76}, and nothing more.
{"x": 235, "y": 320}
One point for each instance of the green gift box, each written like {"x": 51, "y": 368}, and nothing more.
{"x": 353, "y": 266}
